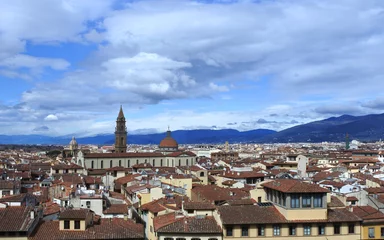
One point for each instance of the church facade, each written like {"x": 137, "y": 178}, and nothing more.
{"x": 168, "y": 154}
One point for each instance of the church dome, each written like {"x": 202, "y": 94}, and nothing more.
{"x": 73, "y": 143}
{"x": 168, "y": 142}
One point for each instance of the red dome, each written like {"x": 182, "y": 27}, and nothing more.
{"x": 168, "y": 142}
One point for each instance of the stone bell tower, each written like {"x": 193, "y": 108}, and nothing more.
{"x": 120, "y": 133}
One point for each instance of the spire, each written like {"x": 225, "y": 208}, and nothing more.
{"x": 168, "y": 132}
{"x": 121, "y": 114}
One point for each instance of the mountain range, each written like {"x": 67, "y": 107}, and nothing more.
{"x": 363, "y": 128}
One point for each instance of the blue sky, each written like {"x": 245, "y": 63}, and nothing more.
{"x": 67, "y": 65}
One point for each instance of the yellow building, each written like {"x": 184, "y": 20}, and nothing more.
{"x": 373, "y": 222}
{"x": 292, "y": 209}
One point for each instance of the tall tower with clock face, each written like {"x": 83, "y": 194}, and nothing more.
{"x": 120, "y": 133}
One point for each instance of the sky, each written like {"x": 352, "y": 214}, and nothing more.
{"x": 66, "y": 66}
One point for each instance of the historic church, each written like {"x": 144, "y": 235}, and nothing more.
{"x": 167, "y": 155}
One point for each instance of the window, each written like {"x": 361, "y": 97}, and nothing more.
{"x": 321, "y": 229}
{"x": 382, "y": 232}
{"x": 77, "y": 224}
{"x": 295, "y": 201}
{"x": 212, "y": 238}
{"x": 186, "y": 162}
{"x": 110, "y": 164}
{"x": 371, "y": 232}
{"x": 336, "y": 229}
{"x": 88, "y": 203}
{"x": 292, "y": 230}
{"x": 306, "y": 202}
{"x": 180, "y": 239}
{"x": 244, "y": 231}
{"x": 229, "y": 231}
{"x": 119, "y": 163}
{"x": 179, "y": 162}
{"x": 201, "y": 174}
{"x": 101, "y": 164}
{"x": 351, "y": 228}
{"x": 92, "y": 165}
{"x": 318, "y": 201}
{"x": 168, "y": 238}
{"x": 137, "y": 161}
{"x": 153, "y": 162}
{"x": 276, "y": 230}
{"x": 195, "y": 238}
{"x": 66, "y": 224}
{"x": 307, "y": 229}
{"x": 161, "y": 162}
{"x": 261, "y": 230}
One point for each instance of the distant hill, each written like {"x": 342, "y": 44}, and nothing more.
{"x": 363, "y": 128}
{"x": 182, "y": 137}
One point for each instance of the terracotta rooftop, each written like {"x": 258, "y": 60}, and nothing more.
{"x": 335, "y": 203}
{"x": 114, "y": 228}
{"x": 250, "y": 214}
{"x": 198, "y": 206}
{"x": 368, "y": 213}
{"x": 191, "y": 225}
{"x": 74, "y": 214}
{"x": 16, "y": 219}
{"x": 117, "y": 209}
{"x": 294, "y": 186}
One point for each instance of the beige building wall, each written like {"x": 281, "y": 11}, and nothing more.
{"x": 303, "y": 213}
{"x": 72, "y": 225}
{"x": 284, "y": 232}
{"x": 180, "y": 183}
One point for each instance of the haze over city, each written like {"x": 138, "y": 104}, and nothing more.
{"x": 67, "y": 66}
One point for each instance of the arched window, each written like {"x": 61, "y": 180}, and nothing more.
{"x": 110, "y": 164}
{"x": 101, "y": 164}
{"x": 161, "y": 162}
{"x": 119, "y": 163}
{"x": 122, "y": 141}
{"x": 92, "y": 164}
{"x": 153, "y": 162}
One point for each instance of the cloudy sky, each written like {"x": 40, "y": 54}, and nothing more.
{"x": 67, "y": 65}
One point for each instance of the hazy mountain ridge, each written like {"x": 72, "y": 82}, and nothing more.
{"x": 363, "y": 128}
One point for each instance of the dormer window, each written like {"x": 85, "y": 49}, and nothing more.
{"x": 306, "y": 202}
{"x": 295, "y": 201}
{"x": 66, "y": 224}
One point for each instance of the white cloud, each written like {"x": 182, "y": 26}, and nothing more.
{"x": 21, "y": 60}
{"x": 51, "y": 117}
{"x": 153, "y": 51}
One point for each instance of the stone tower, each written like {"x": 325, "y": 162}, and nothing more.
{"x": 120, "y": 133}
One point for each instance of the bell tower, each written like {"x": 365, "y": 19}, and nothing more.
{"x": 120, "y": 133}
